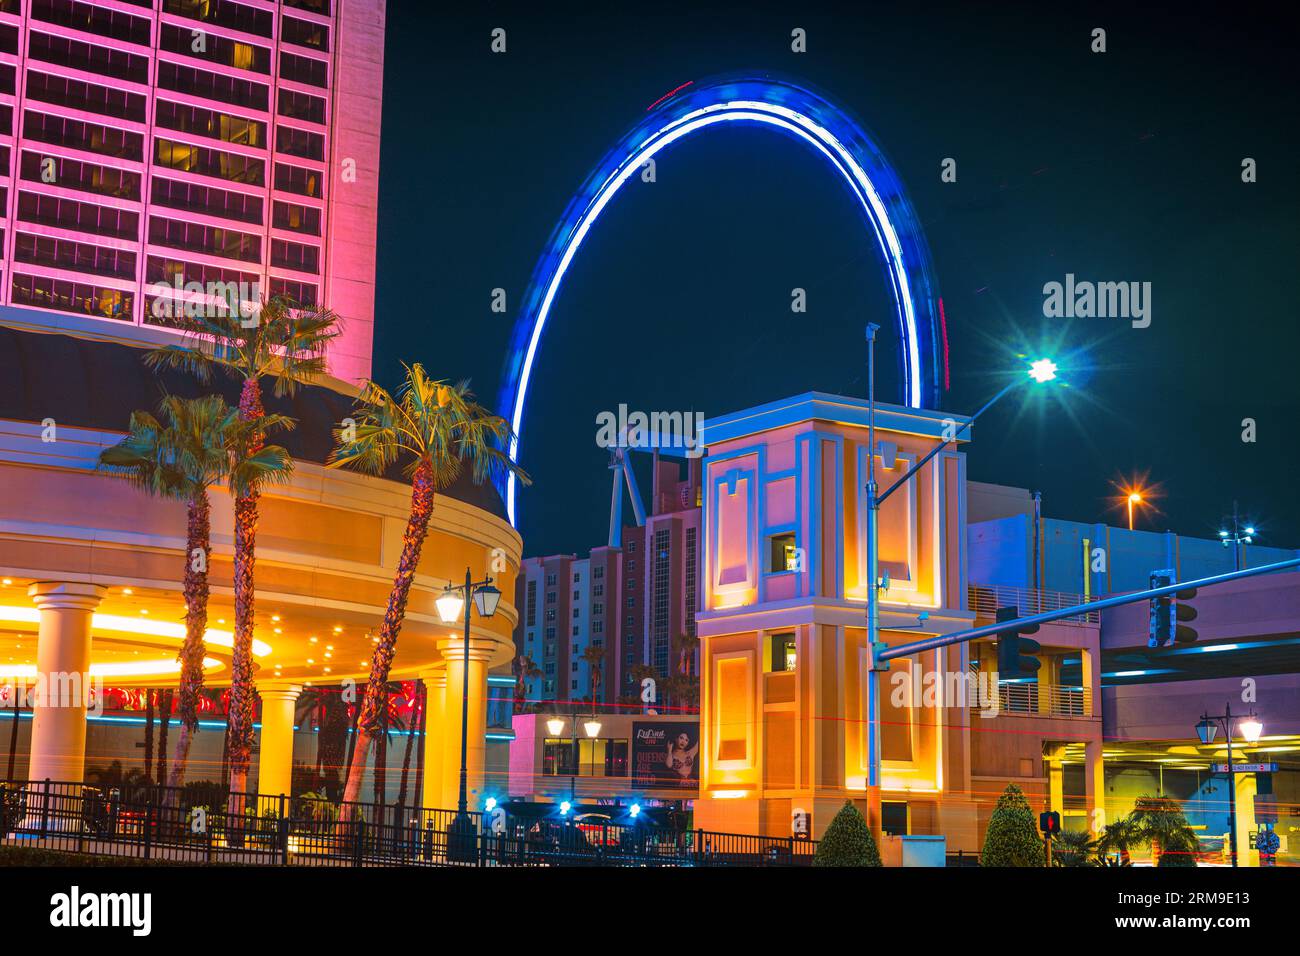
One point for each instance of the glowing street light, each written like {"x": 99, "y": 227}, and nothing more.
{"x": 1134, "y": 498}
{"x": 1042, "y": 370}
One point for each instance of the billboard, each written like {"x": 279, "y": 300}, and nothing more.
{"x": 664, "y": 754}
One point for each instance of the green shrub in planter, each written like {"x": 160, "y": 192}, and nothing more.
{"x": 1012, "y": 837}
{"x": 847, "y": 841}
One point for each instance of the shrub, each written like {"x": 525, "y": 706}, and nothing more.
{"x": 1011, "y": 838}
{"x": 847, "y": 841}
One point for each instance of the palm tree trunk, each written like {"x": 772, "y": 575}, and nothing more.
{"x": 13, "y": 734}
{"x": 410, "y": 743}
{"x": 422, "y": 698}
{"x": 197, "y": 541}
{"x": 165, "y": 708}
{"x": 417, "y": 528}
{"x": 239, "y": 718}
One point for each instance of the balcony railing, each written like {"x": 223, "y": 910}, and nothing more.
{"x": 1044, "y": 700}
{"x": 986, "y": 599}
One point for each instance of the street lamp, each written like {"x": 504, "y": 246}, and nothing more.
{"x": 1133, "y": 499}
{"x": 485, "y": 597}
{"x": 1239, "y": 536}
{"x": 591, "y": 727}
{"x": 1040, "y": 371}
{"x": 1206, "y": 730}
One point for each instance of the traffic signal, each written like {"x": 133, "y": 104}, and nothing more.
{"x": 1169, "y": 611}
{"x": 1015, "y": 651}
{"x": 1049, "y": 821}
{"x": 1160, "y": 625}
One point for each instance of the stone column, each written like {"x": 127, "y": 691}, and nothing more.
{"x": 436, "y": 740}
{"x": 476, "y": 753}
{"x": 275, "y": 760}
{"x": 58, "y": 748}
{"x": 1094, "y": 785}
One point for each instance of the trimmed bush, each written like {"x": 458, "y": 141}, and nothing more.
{"x": 1012, "y": 838}
{"x": 847, "y": 841}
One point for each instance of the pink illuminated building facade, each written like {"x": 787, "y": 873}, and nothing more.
{"x": 156, "y": 152}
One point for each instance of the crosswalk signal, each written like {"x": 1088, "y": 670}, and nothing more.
{"x": 1015, "y": 651}
{"x": 1049, "y": 821}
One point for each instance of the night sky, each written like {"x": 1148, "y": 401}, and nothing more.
{"x": 1122, "y": 166}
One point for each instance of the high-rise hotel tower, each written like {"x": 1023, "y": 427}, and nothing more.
{"x": 158, "y": 150}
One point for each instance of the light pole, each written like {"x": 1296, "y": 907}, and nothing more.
{"x": 1041, "y": 370}
{"x": 1207, "y": 730}
{"x": 1133, "y": 499}
{"x": 485, "y": 597}
{"x": 591, "y": 727}
{"x": 1237, "y": 538}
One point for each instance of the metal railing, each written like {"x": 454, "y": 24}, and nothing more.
{"x": 150, "y": 822}
{"x": 985, "y": 600}
{"x": 1044, "y": 700}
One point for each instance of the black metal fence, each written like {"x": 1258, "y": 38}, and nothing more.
{"x": 158, "y": 823}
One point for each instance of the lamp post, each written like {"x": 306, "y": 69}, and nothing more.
{"x": 1207, "y": 730}
{"x": 1040, "y": 371}
{"x": 1237, "y": 538}
{"x": 591, "y": 727}
{"x": 485, "y": 598}
{"x": 1133, "y": 499}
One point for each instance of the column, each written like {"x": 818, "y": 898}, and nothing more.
{"x": 58, "y": 750}
{"x": 476, "y": 752}
{"x": 1094, "y": 785}
{"x": 1244, "y": 784}
{"x": 275, "y": 760}
{"x": 1053, "y": 754}
{"x": 436, "y": 737}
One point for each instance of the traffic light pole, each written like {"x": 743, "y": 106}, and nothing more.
{"x": 988, "y": 630}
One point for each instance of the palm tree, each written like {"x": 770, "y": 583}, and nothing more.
{"x": 1117, "y": 838}
{"x": 288, "y": 343}
{"x": 1161, "y": 820}
{"x": 436, "y": 428}
{"x": 595, "y": 657}
{"x": 1074, "y": 848}
{"x": 179, "y": 455}
{"x": 526, "y": 669}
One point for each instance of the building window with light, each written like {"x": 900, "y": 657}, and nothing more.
{"x": 782, "y": 656}
{"x": 784, "y": 554}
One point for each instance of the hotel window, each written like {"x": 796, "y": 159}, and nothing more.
{"x": 294, "y": 255}
{"x": 631, "y": 564}
{"x": 211, "y": 240}
{"x": 782, "y": 656}
{"x": 575, "y": 595}
{"x": 550, "y": 614}
{"x": 209, "y": 162}
{"x": 84, "y": 217}
{"x": 315, "y": 6}
{"x": 299, "y": 293}
{"x": 631, "y": 547}
{"x": 77, "y": 256}
{"x": 302, "y": 106}
{"x": 550, "y": 597}
{"x": 305, "y": 33}
{"x": 44, "y": 293}
{"x": 295, "y": 218}
{"x": 8, "y": 78}
{"x": 598, "y": 590}
{"x": 550, "y": 579}
{"x": 784, "y": 554}
{"x": 598, "y": 609}
{"x": 303, "y": 69}
{"x": 114, "y": 24}
{"x": 119, "y": 64}
{"x": 193, "y": 197}
{"x": 631, "y": 602}
{"x": 530, "y": 603}
{"x": 575, "y": 630}
{"x": 223, "y": 13}
{"x": 80, "y": 95}
{"x": 212, "y": 86}
{"x": 216, "y": 49}
{"x": 550, "y": 633}
{"x": 893, "y": 818}
{"x": 75, "y": 174}
{"x": 576, "y": 578}
{"x": 597, "y": 627}
{"x": 576, "y": 613}
{"x": 688, "y": 586}
{"x": 629, "y": 621}
{"x": 90, "y": 137}
{"x": 599, "y": 573}
{"x": 208, "y": 123}
{"x": 300, "y": 142}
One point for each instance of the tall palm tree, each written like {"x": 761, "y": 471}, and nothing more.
{"x": 288, "y": 343}
{"x": 595, "y": 658}
{"x": 526, "y": 669}
{"x": 436, "y": 428}
{"x": 180, "y": 455}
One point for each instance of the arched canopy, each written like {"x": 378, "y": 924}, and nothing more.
{"x": 785, "y": 107}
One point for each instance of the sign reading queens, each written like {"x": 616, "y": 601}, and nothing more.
{"x": 663, "y": 754}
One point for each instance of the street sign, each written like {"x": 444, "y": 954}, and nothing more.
{"x": 1244, "y": 768}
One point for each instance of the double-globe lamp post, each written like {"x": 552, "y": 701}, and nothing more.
{"x": 1207, "y": 730}
{"x": 1040, "y": 371}
{"x": 462, "y": 837}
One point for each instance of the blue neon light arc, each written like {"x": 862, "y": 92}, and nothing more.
{"x": 788, "y": 108}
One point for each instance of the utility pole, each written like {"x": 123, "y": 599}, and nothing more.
{"x": 874, "y": 816}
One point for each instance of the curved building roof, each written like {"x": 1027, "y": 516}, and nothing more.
{"x": 85, "y": 383}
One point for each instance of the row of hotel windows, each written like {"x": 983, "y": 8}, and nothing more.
{"x": 134, "y": 68}
{"x": 194, "y": 237}
{"x": 190, "y": 197}
{"x": 63, "y": 295}
{"x": 125, "y": 144}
